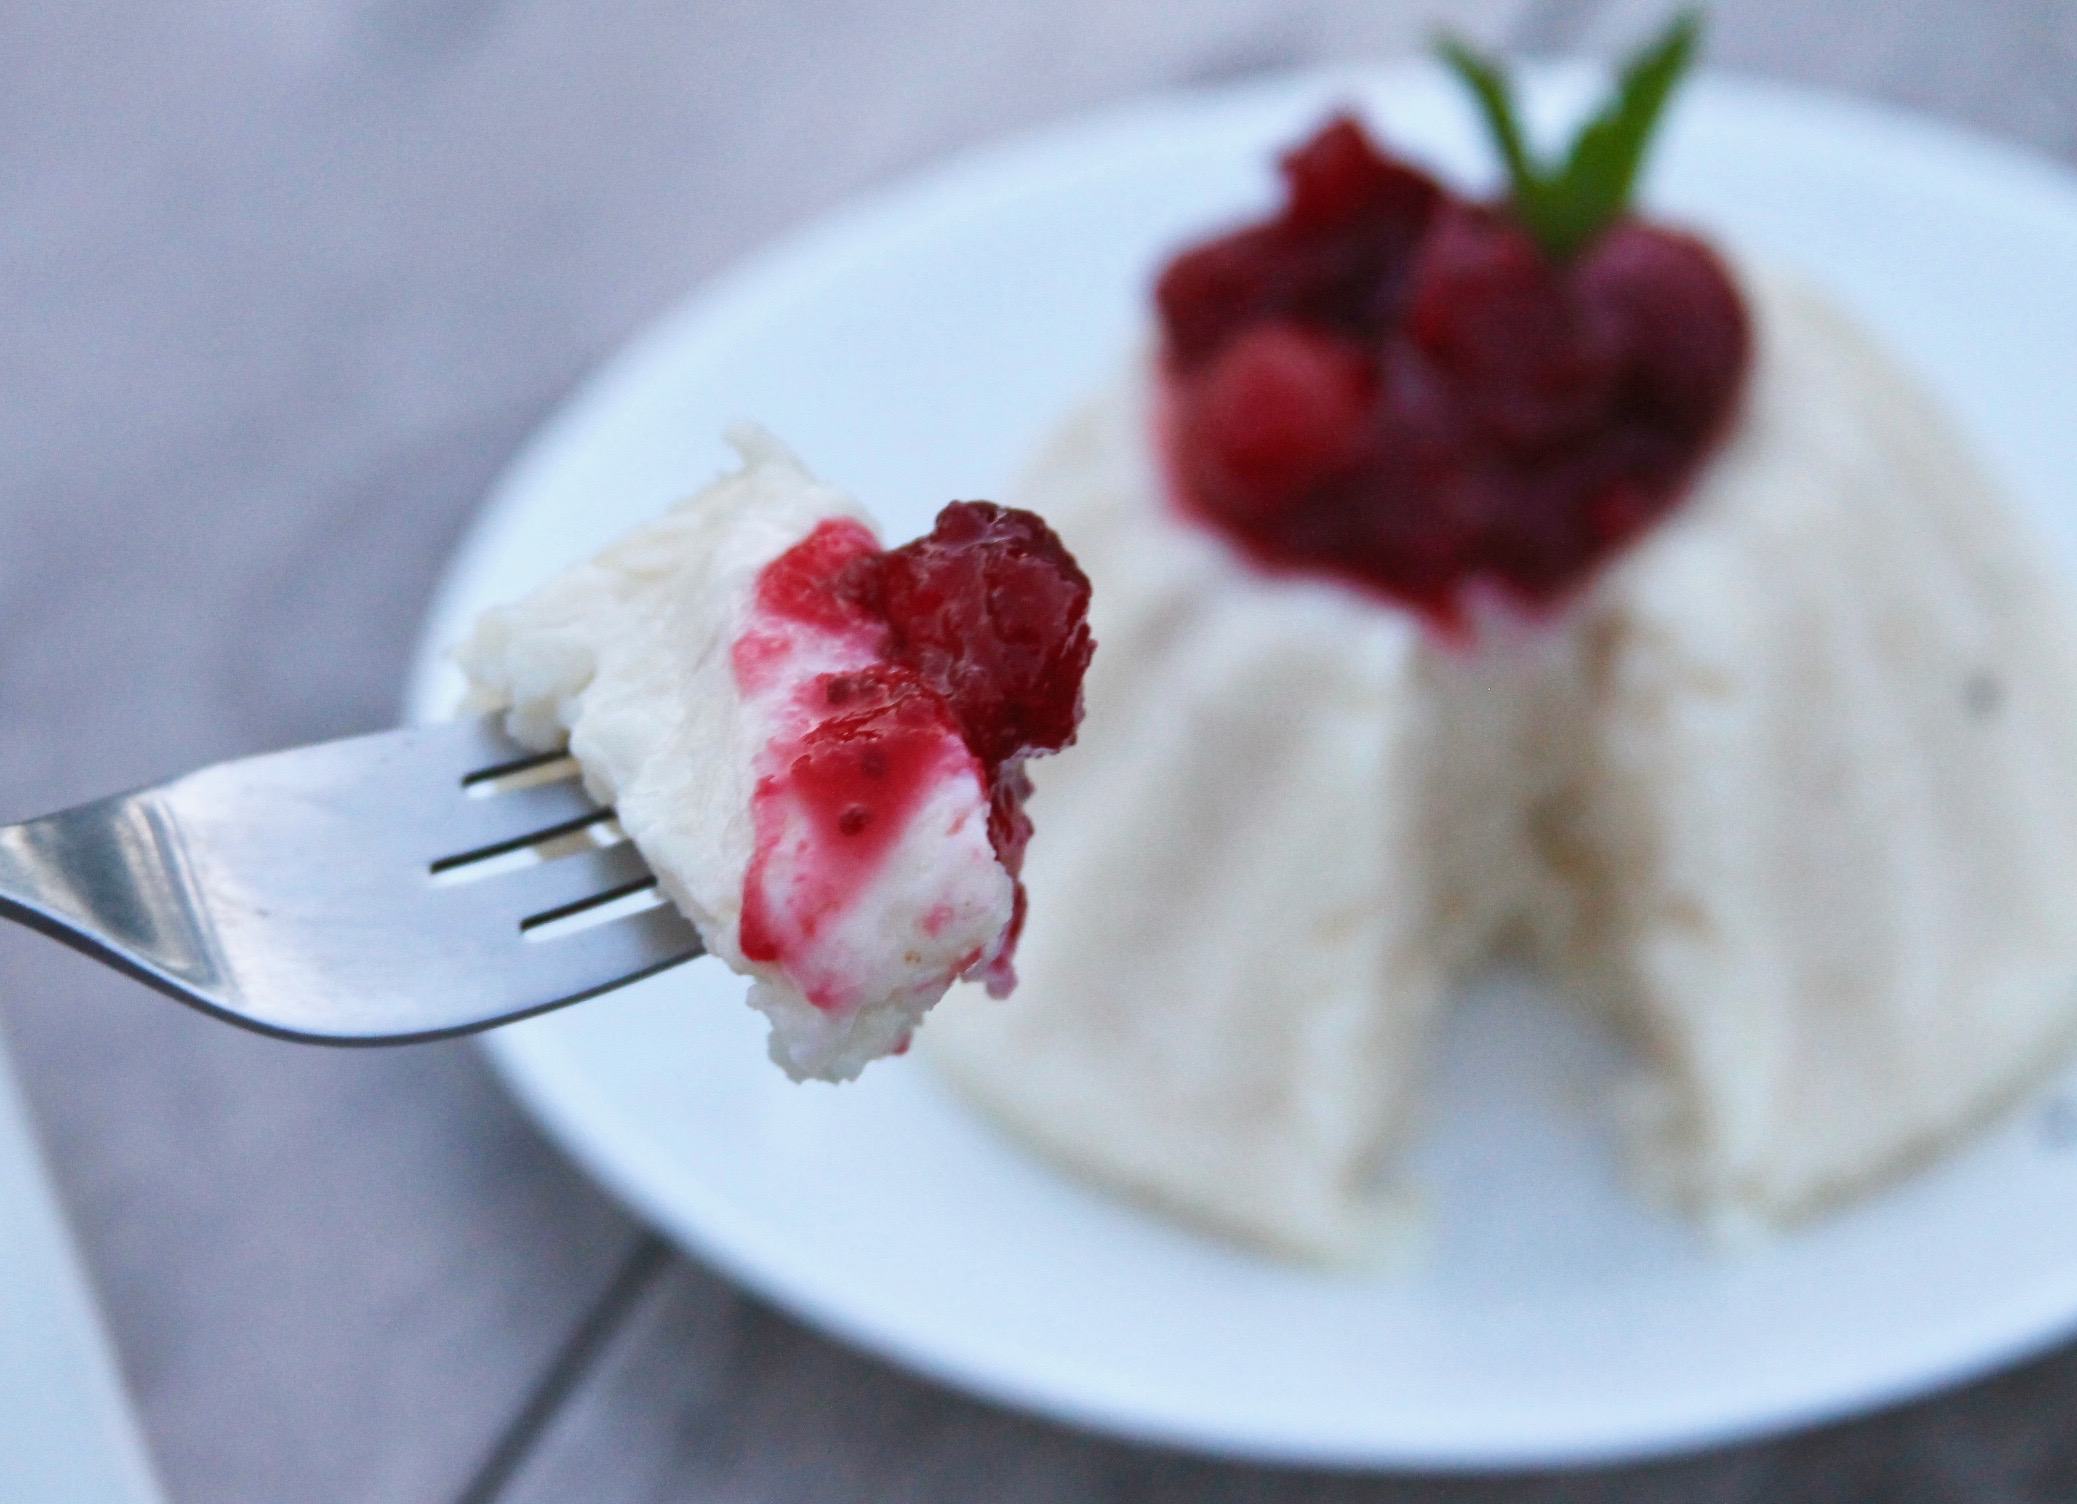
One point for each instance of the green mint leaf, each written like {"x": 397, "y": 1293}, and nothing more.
{"x": 1595, "y": 186}
{"x": 1567, "y": 208}
{"x": 1495, "y": 96}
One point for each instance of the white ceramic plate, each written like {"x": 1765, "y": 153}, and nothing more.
{"x": 914, "y": 348}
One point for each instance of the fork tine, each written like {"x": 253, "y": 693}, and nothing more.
{"x": 607, "y": 955}
{"x": 459, "y": 749}
{"x": 483, "y": 826}
{"x": 567, "y": 881}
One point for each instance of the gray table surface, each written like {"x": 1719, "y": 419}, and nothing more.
{"x": 284, "y": 283}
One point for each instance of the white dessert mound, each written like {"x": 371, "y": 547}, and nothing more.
{"x": 628, "y": 660}
{"x": 1791, "y": 794}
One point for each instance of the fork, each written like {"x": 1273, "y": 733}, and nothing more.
{"x": 384, "y": 889}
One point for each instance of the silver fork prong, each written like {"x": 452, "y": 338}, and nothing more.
{"x": 524, "y": 817}
{"x": 469, "y": 749}
{"x": 627, "y": 949}
{"x": 511, "y": 899}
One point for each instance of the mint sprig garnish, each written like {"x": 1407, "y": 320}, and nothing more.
{"x": 1565, "y": 207}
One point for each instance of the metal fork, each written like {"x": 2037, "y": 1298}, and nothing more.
{"x": 405, "y": 886}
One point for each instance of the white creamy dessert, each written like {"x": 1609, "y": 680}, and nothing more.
{"x": 1790, "y": 793}
{"x": 692, "y": 703}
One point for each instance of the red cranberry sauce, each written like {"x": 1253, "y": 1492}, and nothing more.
{"x": 969, "y": 646}
{"x": 1397, "y": 387}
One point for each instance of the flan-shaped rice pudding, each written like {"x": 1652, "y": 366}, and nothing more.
{"x": 1472, "y": 584}
{"x": 817, "y": 744}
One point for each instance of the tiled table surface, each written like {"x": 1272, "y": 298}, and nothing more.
{"x": 284, "y": 283}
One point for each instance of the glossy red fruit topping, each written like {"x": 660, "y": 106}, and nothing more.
{"x": 852, "y": 779}
{"x": 993, "y": 613}
{"x": 1401, "y": 389}
{"x": 1337, "y": 257}
{"x": 974, "y": 639}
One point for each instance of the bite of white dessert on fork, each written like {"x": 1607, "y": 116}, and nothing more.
{"x": 817, "y": 744}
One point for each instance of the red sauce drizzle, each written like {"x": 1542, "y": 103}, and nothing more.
{"x": 979, "y": 637}
{"x": 1396, "y": 387}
